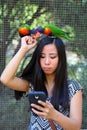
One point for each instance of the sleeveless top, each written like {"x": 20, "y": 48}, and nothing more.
{"x": 39, "y": 123}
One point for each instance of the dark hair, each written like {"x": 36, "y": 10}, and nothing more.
{"x": 34, "y": 74}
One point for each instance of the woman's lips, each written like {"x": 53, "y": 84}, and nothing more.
{"x": 46, "y": 69}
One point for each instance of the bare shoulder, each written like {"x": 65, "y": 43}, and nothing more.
{"x": 74, "y": 88}
{"x": 77, "y": 97}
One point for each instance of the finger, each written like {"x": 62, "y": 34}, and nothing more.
{"x": 48, "y": 102}
{"x": 29, "y": 41}
{"x": 25, "y": 39}
{"x": 41, "y": 114}
{"x": 42, "y": 103}
{"x": 32, "y": 42}
{"x": 38, "y": 107}
{"x": 36, "y": 111}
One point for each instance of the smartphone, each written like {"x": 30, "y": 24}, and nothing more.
{"x": 34, "y": 96}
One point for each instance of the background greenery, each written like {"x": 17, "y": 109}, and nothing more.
{"x": 71, "y": 16}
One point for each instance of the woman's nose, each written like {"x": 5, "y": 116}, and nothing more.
{"x": 47, "y": 61}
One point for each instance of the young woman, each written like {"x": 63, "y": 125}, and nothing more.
{"x": 47, "y": 71}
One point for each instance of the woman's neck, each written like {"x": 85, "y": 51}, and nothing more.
{"x": 49, "y": 84}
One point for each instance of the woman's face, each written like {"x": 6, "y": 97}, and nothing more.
{"x": 49, "y": 59}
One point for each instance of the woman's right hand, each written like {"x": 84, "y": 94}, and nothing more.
{"x": 27, "y": 43}
{"x": 8, "y": 77}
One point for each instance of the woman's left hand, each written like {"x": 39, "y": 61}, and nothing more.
{"x": 46, "y": 110}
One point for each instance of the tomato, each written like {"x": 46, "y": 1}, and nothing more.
{"x": 23, "y": 31}
{"x": 47, "y": 31}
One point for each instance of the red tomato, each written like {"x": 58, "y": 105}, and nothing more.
{"x": 47, "y": 31}
{"x": 23, "y": 31}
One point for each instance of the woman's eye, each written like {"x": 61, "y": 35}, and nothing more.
{"x": 52, "y": 57}
{"x": 42, "y": 56}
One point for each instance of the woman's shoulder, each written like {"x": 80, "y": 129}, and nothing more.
{"x": 73, "y": 87}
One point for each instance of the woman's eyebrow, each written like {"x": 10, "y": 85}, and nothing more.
{"x": 53, "y": 53}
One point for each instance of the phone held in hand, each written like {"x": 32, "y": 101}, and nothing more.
{"x": 34, "y": 96}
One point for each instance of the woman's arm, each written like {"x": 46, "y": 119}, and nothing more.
{"x": 8, "y": 77}
{"x": 75, "y": 120}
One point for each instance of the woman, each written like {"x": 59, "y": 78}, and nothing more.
{"x": 47, "y": 71}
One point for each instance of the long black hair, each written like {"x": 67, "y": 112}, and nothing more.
{"x": 34, "y": 74}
